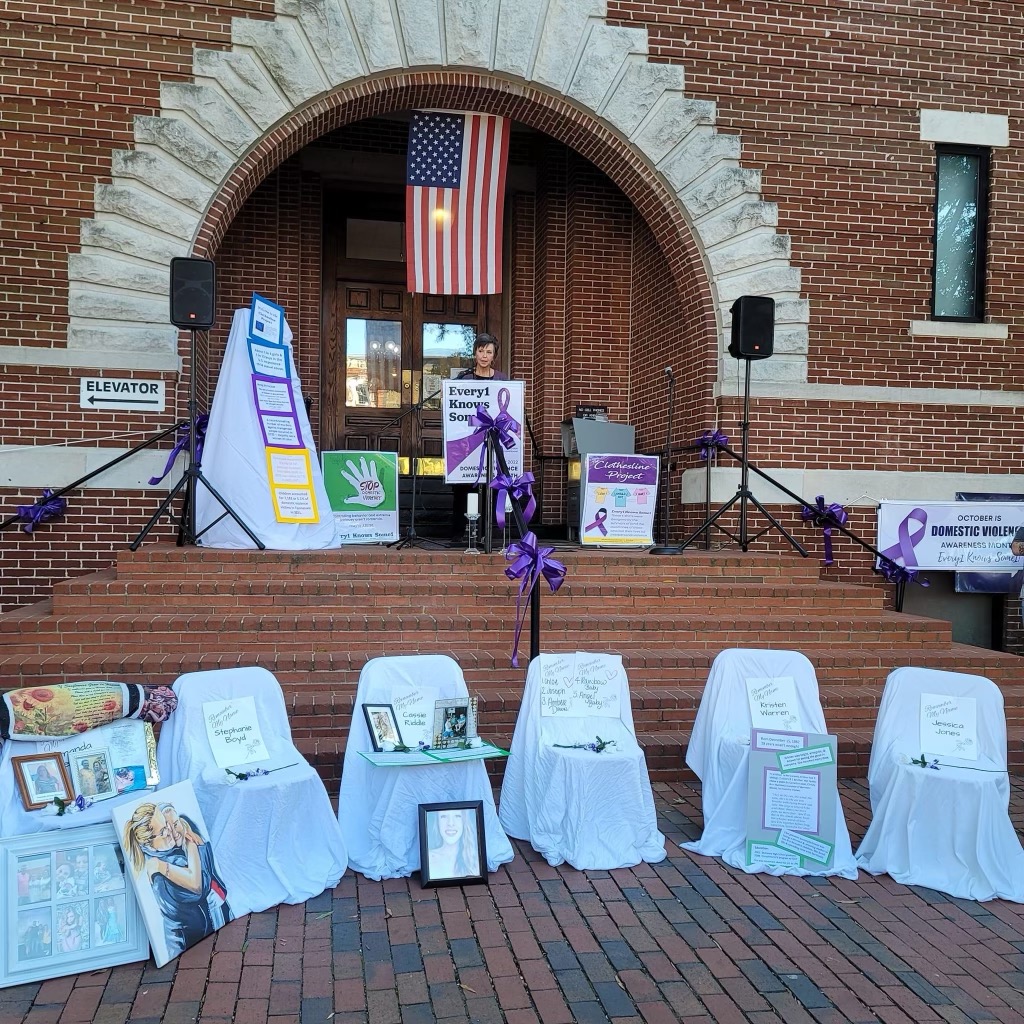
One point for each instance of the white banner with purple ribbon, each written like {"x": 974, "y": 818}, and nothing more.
{"x": 465, "y": 431}
{"x": 950, "y": 534}
{"x": 618, "y": 500}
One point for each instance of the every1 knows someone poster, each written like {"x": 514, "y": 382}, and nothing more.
{"x": 619, "y": 496}
{"x": 363, "y": 491}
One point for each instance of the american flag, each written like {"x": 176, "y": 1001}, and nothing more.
{"x": 454, "y": 202}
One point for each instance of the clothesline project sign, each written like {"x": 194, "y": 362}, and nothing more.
{"x": 580, "y": 685}
{"x": 792, "y": 789}
{"x": 773, "y": 703}
{"x": 619, "y": 494}
{"x": 949, "y": 726}
{"x": 234, "y": 732}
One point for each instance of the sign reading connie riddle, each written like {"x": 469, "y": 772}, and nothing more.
{"x": 464, "y": 442}
{"x": 363, "y": 490}
{"x": 619, "y": 496}
{"x": 950, "y": 534}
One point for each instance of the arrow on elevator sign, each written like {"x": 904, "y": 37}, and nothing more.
{"x": 116, "y": 393}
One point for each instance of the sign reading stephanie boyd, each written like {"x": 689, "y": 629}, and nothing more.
{"x": 234, "y": 732}
{"x": 363, "y": 491}
{"x": 791, "y": 800}
{"x": 619, "y": 496}
{"x": 463, "y": 444}
{"x": 950, "y": 534}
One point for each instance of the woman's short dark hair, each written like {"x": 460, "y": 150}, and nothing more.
{"x": 485, "y": 339}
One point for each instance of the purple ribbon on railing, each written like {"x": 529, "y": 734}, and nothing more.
{"x": 516, "y": 489}
{"x": 825, "y": 516}
{"x": 505, "y": 426}
{"x": 529, "y": 563}
{"x": 182, "y": 445}
{"x": 710, "y": 442}
{"x": 48, "y": 507}
{"x": 898, "y": 574}
{"x": 599, "y": 518}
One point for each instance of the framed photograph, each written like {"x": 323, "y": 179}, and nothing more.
{"x": 41, "y": 779}
{"x": 172, "y": 867}
{"x": 65, "y": 905}
{"x": 453, "y": 850}
{"x": 454, "y": 721}
{"x": 383, "y": 725}
{"x": 93, "y": 775}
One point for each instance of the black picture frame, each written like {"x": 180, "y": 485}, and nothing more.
{"x": 373, "y": 725}
{"x": 467, "y": 863}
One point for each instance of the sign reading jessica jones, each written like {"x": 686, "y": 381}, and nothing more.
{"x": 950, "y": 534}
{"x": 618, "y": 500}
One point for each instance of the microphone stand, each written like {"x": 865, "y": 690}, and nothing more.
{"x": 665, "y": 548}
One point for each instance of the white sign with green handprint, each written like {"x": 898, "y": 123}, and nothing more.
{"x": 363, "y": 491}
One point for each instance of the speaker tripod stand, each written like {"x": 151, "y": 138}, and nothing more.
{"x": 744, "y": 496}
{"x": 188, "y": 484}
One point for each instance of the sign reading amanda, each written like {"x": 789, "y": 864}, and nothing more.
{"x": 950, "y": 534}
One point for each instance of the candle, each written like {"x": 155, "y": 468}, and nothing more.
{"x": 472, "y": 504}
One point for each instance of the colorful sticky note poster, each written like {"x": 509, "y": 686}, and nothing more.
{"x": 269, "y": 360}
{"x": 266, "y": 320}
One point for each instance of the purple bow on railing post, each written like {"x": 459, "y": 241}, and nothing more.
{"x": 504, "y": 427}
{"x": 710, "y": 442}
{"x": 529, "y": 563}
{"x": 181, "y": 445}
{"x": 517, "y": 489}
{"x": 898, "y": 574}
{"x": 47, "y": 508}
{"x": 825, "y": 517}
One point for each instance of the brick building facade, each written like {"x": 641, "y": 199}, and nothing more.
{"x": 667, "y": 158}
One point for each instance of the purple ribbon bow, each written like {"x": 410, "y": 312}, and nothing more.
{"x": 530, "y": 563}
{"x": 898, "y": 574}
{"x": 48, "y": 507}
{"x": 599, "y": 517}
{"x": 516, "y": 489}
{"x": 710, "y": 442}
{"x": 825, "y": 516}
{"x": 182, "y": 444}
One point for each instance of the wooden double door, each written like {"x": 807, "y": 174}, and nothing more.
{"x": 387, "y": 352}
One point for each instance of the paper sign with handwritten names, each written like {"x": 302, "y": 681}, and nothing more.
{"x": 773, "y": 703}
{"x": 414, "y": 710}
{"x": 949, "y": 726}
{"x": 234, "y": 732}
{"x": 580, "y": 685}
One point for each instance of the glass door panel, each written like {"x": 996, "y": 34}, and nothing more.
{"x": 373, "y": 363}
{"x": 445, "y": 346}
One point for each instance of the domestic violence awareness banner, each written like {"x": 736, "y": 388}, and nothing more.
{"x": 951, "y": 534}
{"x": 465, "y": 430}
{"x": 618, "y": 500}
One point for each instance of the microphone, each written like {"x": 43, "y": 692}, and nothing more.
{"x": 668, "y": 373}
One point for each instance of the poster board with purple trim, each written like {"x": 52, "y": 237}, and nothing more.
{"x": 619, "y": 495}
{"x": 792, "y": 786}
{"x": 465, "y": 454}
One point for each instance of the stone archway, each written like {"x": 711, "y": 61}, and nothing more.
{"x": 320, "y": 63}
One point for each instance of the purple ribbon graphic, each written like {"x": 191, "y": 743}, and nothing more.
{"x": 48, "y": 508}
{"x": 710, "y": 442}
{"x": 530, "y": 563}
{"x": 907, "y": 541}
{"x": 825, "y": 517}
{"x": 505, "y": 426}
{"x": 599, "y": 518}
{"x": 182, "y": 444}
{"x": 518, "y": 489}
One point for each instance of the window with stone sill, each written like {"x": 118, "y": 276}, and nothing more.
{"x": 961, "y": 227}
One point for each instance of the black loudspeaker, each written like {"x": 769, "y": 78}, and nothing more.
{"x": 193, "y": 293}
{"x": 753, "y": 327}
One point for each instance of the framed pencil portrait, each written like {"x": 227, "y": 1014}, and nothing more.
{"x": 42, "y": 778}
{"x": 453, "y": 848}
{"x": 65, "y": 907}
{"x": 383, "y": 725}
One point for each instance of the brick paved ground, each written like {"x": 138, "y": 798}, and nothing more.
{"x": 684, "y": 940}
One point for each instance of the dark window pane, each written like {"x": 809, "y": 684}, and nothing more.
{"x": 958, "y": 241}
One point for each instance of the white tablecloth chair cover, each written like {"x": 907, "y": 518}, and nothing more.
{"x": 719, "y": 755}
{"x": 378, "y": 806}
{"x": 594, "y": 811}
{"x": 948, "y": 829}
{"x": 275, "y": 836}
